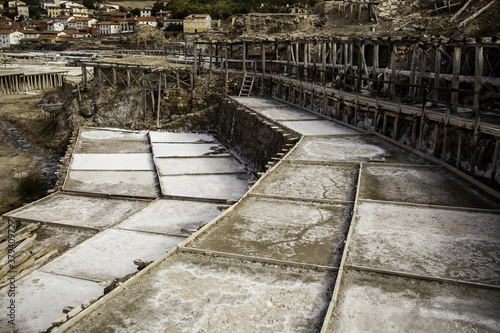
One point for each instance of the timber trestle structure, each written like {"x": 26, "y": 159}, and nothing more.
{"x": 151, "y": 81}
{"x": 437, "y": 95}
{"x": 18, "y": 83}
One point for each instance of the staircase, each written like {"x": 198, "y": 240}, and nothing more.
{"x": 247, "y": 85}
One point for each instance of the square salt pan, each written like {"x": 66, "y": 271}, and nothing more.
{"x": 310, "y": 181}
{"x": 111, "y": 254}
{"x": 352, "y": 148}
{"x": 109, "y": 134}
{"x": 422, "y": 185}
{"x": 370, "y": 302}
{"x": 34, "y": 312}
{"x": 220, "y": 187}
{"x": 171, "y": 216}
{"x": 143, "y": 162}
{"x": 317, "y": 127}
{"x": 441, "y": 243}
{"x": 193, "y": 293}
{"x": 296, "y": 231}
{"x": 169, "y": 137}
{"x": 171, "y": 166}
{"x": 186, "y": 149}
{"x": 127, "y": 183}
{"x": 86, "y": 146}
{"x": 79, "y": 211}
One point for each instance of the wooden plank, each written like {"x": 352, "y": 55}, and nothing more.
{"x": 17, "y": 238}
{"x": 37, "y": 264}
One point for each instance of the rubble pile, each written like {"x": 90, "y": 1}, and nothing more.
{"x": 19, "y": 254}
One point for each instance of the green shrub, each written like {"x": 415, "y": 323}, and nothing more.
{"x": 31, "y": 186}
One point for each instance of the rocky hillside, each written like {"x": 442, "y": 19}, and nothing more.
{"x": 449, "y": 18}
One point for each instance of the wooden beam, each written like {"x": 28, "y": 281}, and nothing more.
{"x": 464, "y": 22}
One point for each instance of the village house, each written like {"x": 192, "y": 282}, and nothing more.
{"x": 81, "y": 34}
{"x": 79, "y": 11}
{"x": 113, "y": 15}
{"x": 146, "y": 11}
{"x": 54, "y": 3}
{"x": 171, "y": 22}
{"x": 53, "y": 11}
{"x": 196, "y": 23}
{"x": 108, "y": 28}
{"x": 55, "y": 26}
{"x": 23, "y": 10}
{"x": 127, "y": 24}
{"x": 148, "y": 20}
{"x": 81, "y": 23}
{"x": 295, "y": 9}
{"x": 30, "y": 34}
{"x": 4, "y": 21}
{"x": 64, "y": 20}
{"x": 163, "y": 14}
{"x": 10, "y": 37}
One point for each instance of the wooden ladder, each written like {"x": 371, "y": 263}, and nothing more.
{"x": 246, "y": 86}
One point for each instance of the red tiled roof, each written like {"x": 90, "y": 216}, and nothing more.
{"x": 107, "y": 23}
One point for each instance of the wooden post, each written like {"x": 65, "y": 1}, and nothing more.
{"x": 159, "y": 101}
{"x": 375, "y": 61}
{"x": 289, "y": 58}
{"x": 436, "y": 138}
{"x": 479, "y": 66}
{"x": 195, "y": 60}
{"x": 263, "y": 54}
{"x": 144, "y": 92}
{"x": 384, "y": 125}
{"x": 437, "y": 74}
{"x": 227, "y": 69}
{"x": 413, "y": 69}
{"x": 456, "y": 77}
{"x": 323, "y": 61}
{"x": 459, "y": 150}
{"x": 494, "y": 165}
{"x": 314, "y": 57}
{"x": 114, "y": 76}
{"x": 244, "y": 51}
{"x": 306, "y": 59}
{"x": 210, "y": 68}
{"x": 333, "y": 61}
{"x": 445, "y": 142}
{"x": 84, "y": 75}
{"x": 414, "y": 133}
{"x": 392, "y": 79}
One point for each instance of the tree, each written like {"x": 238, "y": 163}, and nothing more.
{"x": 158, "y": 6}
{"x": 35, "y": 12}
{"x": 89, "y": 4}
{"x": 135, "y": 12}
